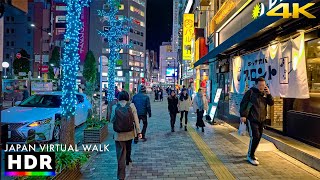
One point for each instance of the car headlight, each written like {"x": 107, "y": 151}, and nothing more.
{"x": 40, "y": 122}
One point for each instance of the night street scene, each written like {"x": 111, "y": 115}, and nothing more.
{"x": 159, "y": 89}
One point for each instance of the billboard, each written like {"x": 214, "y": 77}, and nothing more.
{"x": 170, "y": 72}
{"x": 188, "y": 36}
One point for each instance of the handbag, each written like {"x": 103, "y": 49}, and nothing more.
{"x": 242, "y": 131}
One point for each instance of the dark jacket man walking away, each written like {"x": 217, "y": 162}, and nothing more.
{"x": 142, "y": 103}
{"x": 253, "y": 111}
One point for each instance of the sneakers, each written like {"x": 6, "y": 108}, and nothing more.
{"x": 253, "y": 161}
{"x": 180, "y": 125}
{"x": 185, "y": 128}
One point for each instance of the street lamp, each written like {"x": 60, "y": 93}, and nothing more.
{"x": 5, "y": 65}
{"x": 41, "y": 41}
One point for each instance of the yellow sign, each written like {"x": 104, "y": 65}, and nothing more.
{"x": 188, "y": 36}
{"x": 45, "y": 77}
{"x": 227, "y": 7}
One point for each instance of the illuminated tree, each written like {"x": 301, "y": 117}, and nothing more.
{"x": 70, "y": 67}
{"x": 117, "y": 28}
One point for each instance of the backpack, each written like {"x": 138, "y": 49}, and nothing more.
{"x": 123, "y": 119}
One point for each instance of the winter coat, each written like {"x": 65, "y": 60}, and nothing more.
{"x": 125, "y": 136}
{"x": 142, "y": 103}
{"x": 185, "y": 104}
{"x": 258, "y": 111}
{"x": 173, "y": 104}
{"x": 195, "y": 102}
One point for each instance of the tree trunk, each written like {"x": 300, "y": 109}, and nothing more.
{"x": 67, "y": 131}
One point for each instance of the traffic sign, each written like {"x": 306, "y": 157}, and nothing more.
{"x": 44, "y": 69}
{"x": 18, "y": 55}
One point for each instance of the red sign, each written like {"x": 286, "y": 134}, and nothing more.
{"x": 44, "y": 69}
{"x": 18, "y": 55}
{"x": 143, "y": 80}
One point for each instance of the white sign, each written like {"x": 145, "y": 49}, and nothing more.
{"x": 41, "y": 86}
{"x": 22, "y": 74}
{"x": 215, "y": 103}
{"x": 282, "y": 65}
{"x": 61, "y": 19}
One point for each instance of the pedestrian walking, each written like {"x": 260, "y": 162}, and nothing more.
{"x": 126, "y": 126}
{"x": 25, "y": 93}
{"x": 173, "y": 108}
{"x": 190, "y": 91}
{"x": 161, "y": 94}
{"x": 253, "y": 111}
{"x": 116, "y": 92}
{"x": 200, "y": 104}
{"x": 142, "y": 103}
{"x": 184, "y": 105}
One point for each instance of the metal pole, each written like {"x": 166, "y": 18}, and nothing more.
{"x": 41, "y": 62}
{"x": 100, "y": 103}
{"x": 174, "y": 75}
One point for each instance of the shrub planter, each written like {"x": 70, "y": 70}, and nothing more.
{"x": 93, "y": 135}
{"x": 69, "y": 174}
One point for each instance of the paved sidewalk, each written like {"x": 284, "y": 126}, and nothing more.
{"x": 193, "y": 155}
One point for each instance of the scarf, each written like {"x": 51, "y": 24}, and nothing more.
{"x": 200, "y": 102}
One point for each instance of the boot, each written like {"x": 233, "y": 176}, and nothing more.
{"x": 202, "y": 129}
{"x": 180, "y": 124}
{"x": 185, "y": 128}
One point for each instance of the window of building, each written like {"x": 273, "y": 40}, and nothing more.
{"x": 29, "y": 43}
{"x": 141, "y": 33}
{"x": 8, "y": 18}
{"x": 136, "y": 10}
{"x": 29, "y": 31}
{"x": 12, "y": 31}
{"x": 7, "y": 56}
{"x": 12, "y": 43}
{"x": 12, "y": 18}
{"x": 141, "y": 2}
{"x": 8, "y": 30}
{"x": 29, "y": 19}
{"x": 8, "y": 43}
{"x": 131, "y": 30}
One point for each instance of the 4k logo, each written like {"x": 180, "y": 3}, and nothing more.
{"x": 297, "y": 10}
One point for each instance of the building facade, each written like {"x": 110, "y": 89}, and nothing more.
{"x": 283, "y": 51}
{"x": 132, "y": 67}
{"x": 168, "y": 64}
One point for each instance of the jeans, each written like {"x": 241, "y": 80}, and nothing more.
{"x": 185, "y": 118}
{"x": 255, "y": 131}
{"x": 123, "y": 149}
{"x": 144, "y": 119}
{"x": 173, "y": 119}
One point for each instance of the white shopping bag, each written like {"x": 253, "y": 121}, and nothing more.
{"x": 242, "y": 129}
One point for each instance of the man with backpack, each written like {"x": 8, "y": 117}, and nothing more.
{"x": 142, "y": 103}
{"x": 126, "y": 126}
{"x": 253, "y": 111}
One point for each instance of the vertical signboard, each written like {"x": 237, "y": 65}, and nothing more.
{"x": 1, "y": 41}
{"x": 175, "y": 25}
{"x": 188, "y": 36}
{"x": 84, "y": 34}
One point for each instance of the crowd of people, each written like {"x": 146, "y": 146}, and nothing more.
{"x": 128, "y": 112}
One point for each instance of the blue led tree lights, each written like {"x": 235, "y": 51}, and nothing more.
{"x": 117, "y": 28}
{"x": 71, "y": 56}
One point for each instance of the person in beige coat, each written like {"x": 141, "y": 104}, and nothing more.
{"x": 123, "y": 140}
{"x": 184, "y": 105}
{"x": 200, "y": 104}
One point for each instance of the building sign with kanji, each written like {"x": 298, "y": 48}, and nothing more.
{"x": 188, "y": 36}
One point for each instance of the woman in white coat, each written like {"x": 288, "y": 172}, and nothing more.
{"x": 184, "y": 105}
{"x": 200, "y": 104}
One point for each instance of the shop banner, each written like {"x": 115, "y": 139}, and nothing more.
{"x": 283, "y": 66}
{"x": 188, "y": 36}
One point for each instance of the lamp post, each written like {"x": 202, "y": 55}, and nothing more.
{"x": 41, "y": 44}
{"x": 5, "y": 65}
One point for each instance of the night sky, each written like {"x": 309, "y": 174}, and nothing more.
{"x": 159, "y": 23}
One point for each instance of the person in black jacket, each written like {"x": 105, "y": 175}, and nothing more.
{"x": 173, "y": 108}
{"x": 253, "y": 111}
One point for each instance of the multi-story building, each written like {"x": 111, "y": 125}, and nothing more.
{"x": 17, "y": 34}
{"x": 168, "y": 64}
{"x": 131, "y": 69}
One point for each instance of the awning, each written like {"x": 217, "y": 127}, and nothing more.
{"x": 245, "y": 33}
